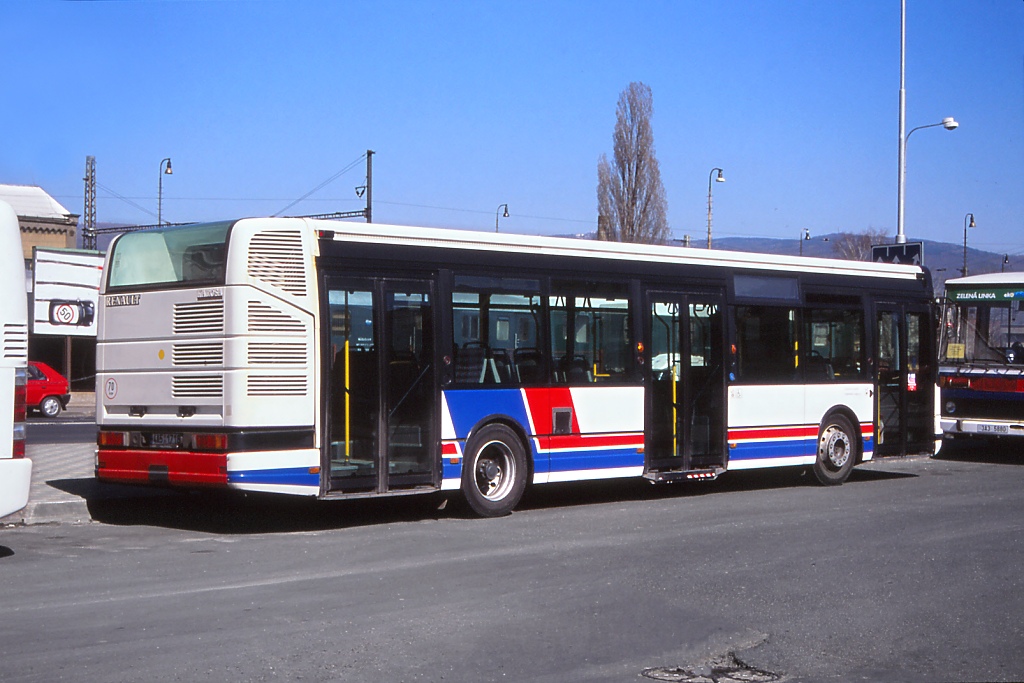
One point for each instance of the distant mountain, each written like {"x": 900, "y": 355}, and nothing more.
{"x": 943, "y": 259}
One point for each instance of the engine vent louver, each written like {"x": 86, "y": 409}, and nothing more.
{"x": 15, "y": 340}
{"x": 265, "y": 318}
{"x": 198, "y": 354}
{"x": 197, "y": 386}
{"x": 270, "y": 353}
{"x": 276, "y": 385}
{"x": 275, "y": 257}
{"x": 199, "y": 317}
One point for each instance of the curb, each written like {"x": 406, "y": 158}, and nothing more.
{"x": 53, "y": 512}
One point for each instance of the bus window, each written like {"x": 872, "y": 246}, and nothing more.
{"x": 833, "y": 345}
{"x": 495, "y": 331}
{"x": 766, "y": 344}
{"x": 590, "y": 335}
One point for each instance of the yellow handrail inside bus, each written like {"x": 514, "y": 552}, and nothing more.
{"x": 675, "y": 418}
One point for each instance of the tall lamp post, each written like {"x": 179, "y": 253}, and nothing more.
{"x": 498, "y": 214}
{"x": 972, "y": 225}
{"x": 806, "y": 236}
{"x": 719, "y": 179}
{"x": 164, "y": 170}
{"x": 949, "y": 123}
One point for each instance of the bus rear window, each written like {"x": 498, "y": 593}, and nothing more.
{"x": 169, "y": 257}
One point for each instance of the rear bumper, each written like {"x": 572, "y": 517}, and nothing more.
{"x": 982, "y": 427}
{"x": 178, "y": 468}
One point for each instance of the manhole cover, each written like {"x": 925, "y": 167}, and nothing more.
{"x": 726, "y": 669}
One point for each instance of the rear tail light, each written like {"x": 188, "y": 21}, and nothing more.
{"x": 211, "y": 442}
{"x": 20, "y": 410}
{"x": 112, "y": 439}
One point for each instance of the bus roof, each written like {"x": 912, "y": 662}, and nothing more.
{"x": 987, "y": 279}
{"x": 340, "y": 231}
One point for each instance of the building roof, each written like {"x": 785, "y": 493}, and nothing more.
{"x": 32, "y": 201}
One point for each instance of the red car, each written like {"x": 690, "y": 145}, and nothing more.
{"x": 47, "y": 390}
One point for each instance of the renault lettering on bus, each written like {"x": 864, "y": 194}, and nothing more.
{"x": 333, "y": 359}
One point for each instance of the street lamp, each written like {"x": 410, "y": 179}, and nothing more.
{"x": 502, "y": 215}
{"x": 1006, "y": 262}
{"x": 971, "y": 216}
{"x": 807, "y": 236}
{"x": 719, "y": 179}
{"x": 949, "y": 123}
{"x": 160, "y": 192}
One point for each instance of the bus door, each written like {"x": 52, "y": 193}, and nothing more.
{"x": 905, "y": 379}
{"x": 685, "y": 382}
{"x": 381, "y": 393}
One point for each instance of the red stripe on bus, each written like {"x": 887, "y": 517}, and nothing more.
{"x": 787, "y": 432}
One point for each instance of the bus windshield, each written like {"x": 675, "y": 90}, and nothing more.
{"x": 984, "y": 332}
{"x": 168, "y": 257}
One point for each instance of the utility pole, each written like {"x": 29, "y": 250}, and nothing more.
{"x": 369, "y": 186}
{"x": 89, "y": 214}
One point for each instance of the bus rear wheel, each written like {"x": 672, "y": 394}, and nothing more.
{"x": 837, "y": 451}
{"x": 494, "y": 471}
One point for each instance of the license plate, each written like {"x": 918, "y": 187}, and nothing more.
{"x": 165, "y": 440}
{"x": 994, "y": 429}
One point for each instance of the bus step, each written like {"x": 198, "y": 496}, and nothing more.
{"x": 670, "y": 476}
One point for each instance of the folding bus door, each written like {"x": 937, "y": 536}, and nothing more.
{"x": 381, "y": 394}
{"x": 685, "y": 382}
{"x": 905, "y": 378}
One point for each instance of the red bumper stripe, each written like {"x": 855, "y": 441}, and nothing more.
{"x": 172, "y": 467}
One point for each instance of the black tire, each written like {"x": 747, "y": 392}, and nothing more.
{"x": 50, "y": 406}
{"x": 837, "y": 450}
{"x": 494, "y": 471}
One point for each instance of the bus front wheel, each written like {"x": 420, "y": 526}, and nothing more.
{"x": 837, "y": 451}
{"x": 494, "y": 471}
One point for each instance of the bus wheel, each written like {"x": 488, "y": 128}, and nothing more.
{"x": 837, "y": 451}
{"x": 494, "y": 471}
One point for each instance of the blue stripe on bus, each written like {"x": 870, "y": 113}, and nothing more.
{"x": 759, "y": 450}
{"x": 451, "y": 471}
{"x": 578, "y": 461}
{"x": 291, "y": 476}
{"x": 468, "y": 407}
{"x": 983, "y": 395}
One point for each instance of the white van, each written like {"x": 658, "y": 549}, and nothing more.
{"x": 15, "y": 468}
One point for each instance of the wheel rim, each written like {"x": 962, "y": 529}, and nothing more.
{"x": 495, "y": 470}
{"x": 49, "y": 407}
{"x": 834, "y": 447}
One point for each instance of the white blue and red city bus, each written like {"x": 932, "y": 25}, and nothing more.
{"x": 340, "y": 359}
{"x": 981, "y": 371}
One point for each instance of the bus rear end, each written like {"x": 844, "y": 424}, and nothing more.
{"x": 15, "y": 468}
{"x": 206, "y": 358}
{"x": 981, "y": 371}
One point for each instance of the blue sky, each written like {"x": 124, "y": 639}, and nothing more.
{"x": 470, "y": 105}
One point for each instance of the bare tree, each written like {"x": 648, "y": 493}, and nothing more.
{"x": 856, "y": 246}
{"x": 630, "y": 196}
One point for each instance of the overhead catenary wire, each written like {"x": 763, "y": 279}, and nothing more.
{"x": 323, "y": 184}
{"x": 124, "y": 199}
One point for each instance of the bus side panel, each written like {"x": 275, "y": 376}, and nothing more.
{"x": 762, "y": 432}
{"x": 601, "y": 437}
{"x": 856, "y": 399}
